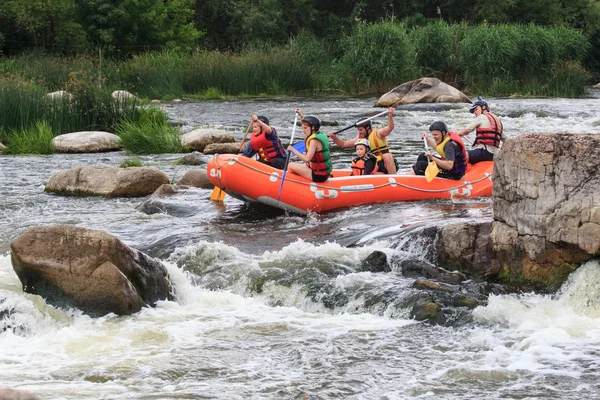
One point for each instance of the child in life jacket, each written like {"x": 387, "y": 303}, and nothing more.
{"x": 265, "y": 142}
{"x": 365, "y": 162}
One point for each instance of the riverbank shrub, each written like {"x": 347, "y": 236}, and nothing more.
{"x": 520, "y": 58}
{"x": 436, "y": 50}
{"x": 35, "y": 139}
{"x": 380, "y": 56}
{"x": 150, "y": 134}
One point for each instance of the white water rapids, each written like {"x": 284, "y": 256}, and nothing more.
{"x": 293, "y": 338}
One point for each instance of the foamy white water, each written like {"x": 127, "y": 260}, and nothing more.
{"x": 275, "y": 306}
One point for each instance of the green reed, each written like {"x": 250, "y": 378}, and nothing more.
{"x": 35, "y": 139}
{"x": 150, "y": 134}
{"x": 380, "y": 56}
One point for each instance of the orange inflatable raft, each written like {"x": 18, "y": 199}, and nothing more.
{"x": 250, "y": 180}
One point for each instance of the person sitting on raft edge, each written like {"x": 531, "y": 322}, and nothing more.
{"x": 318, "y": 166}
{"x": 265, "y": 142}
{"x": 377, "y": 139}
{"x": 489, "y": 132}
{"x": 454, "y": 157}
{"x": 365, "y": 162}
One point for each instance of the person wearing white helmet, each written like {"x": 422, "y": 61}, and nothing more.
{"x": 365, "y": 163}
{"x": 489, "y": 132}
{"x": 378, "y": 140}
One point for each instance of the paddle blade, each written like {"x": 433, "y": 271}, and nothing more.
{"x": 431, "y": 171}
{"x": 300, "y": 146}
{"x": 217, "y": 194}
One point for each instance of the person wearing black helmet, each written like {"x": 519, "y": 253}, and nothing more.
{"x": 454, "y": 157}
{"x": 318, "y": 166}
{"x": 378, "y": 140}
{"x": 265, "y": 142}
{"x": 489, "y": 131}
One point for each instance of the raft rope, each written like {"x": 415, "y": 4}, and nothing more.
{"x": 320, "y": 186}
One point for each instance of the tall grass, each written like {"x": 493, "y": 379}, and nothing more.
{"x": 526, "y": 56}
{"x": 36, "y": 139}
{"x": 150, "y": 134}
{"x": 380, "y": 56}
{"x": 436, "y": 47}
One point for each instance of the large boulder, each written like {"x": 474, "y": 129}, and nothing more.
{"x": 546, "y": 213}
{"x": 87, "y": 142}
{"x": 109, "y": 182}
{"x": 60, "y": 95}
{"x": 422, "y": 90}
{"x": 2, "y": 147}
{"x": 123, "y": 95}
{"x": 224, "y": 148}
{"x": 198, "y": 139}
{"x": 16, "y": 394}
{"x": 88, "y": 269}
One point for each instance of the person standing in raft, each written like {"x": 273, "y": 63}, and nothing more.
{"x": 365, "y": 163}
{"x": 489, "y": 132}
{"x": 265, "y": 142}
{"x": 318, "y": 165}
{"x": 454, "y": 157}
{"x": 378, "y": 140}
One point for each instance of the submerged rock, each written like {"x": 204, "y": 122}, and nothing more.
{"x": 88, "y": 269}
{"x": 375, "y": 262}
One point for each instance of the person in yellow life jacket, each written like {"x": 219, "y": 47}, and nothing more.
{"x": 318, "y": 166}
{"x": 378, "y": 140}
{"x": 265, "y": 142}
{"x": 454, "y": 157}
{"x": 365, "y": 163}
{"x": 489, "y": 132}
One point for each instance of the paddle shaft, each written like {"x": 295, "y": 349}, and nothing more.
{"x": 287, "y": 160}
{"x": 245, "y": 135}
{"x": 360, "y": 122}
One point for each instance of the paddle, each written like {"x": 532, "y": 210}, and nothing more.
{"x": 432, "y": 169}
{"x": 218, "y": 194}
{"x": 301, "y": 146}
{"x": 287, "y": 160}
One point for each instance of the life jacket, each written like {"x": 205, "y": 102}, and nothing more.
{"x": 490, "y": 136}
{"x": 267, "y": 148}
{"x": 358, "y": 165}
{"x": 378, "y": 147}
{"x": 462, "y": 158}
{"x": 320, "y": 163}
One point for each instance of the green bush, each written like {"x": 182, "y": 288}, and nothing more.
{"x": 380, "y": 56}
{"x": 36, "y": 139}
{"x": 150, "y": 134}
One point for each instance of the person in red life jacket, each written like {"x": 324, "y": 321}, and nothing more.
{"x": 454, "y": 157}
{"x": 378, "y": 140}
{"x": 265, "y": 142}
{"x": 318, "y": 165}
{"x": 489, "y": 131}
{"x": 365, "y": 163}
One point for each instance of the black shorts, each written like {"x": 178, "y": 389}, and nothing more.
{"x": 319, "y": 178}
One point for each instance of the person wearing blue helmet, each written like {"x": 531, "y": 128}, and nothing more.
{"x": 489, "y": 132}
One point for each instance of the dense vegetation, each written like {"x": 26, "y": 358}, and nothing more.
{"x": 215, "y": 48}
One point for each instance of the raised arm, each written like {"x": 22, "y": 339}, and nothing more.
{"x": 386, "y": 130}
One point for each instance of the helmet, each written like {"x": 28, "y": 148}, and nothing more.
{"x": 439, "y": 126}
{"x": 263, "y": 119}
{"x": 362, "y": 122}
{"x": 312, "y": 121}
{"x": 364, "y": 142}
{"x": 479, "y": 102}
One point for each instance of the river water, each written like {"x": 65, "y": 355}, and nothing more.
{"x": 272, "y": 306}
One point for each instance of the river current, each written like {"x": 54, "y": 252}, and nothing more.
{"x": 273, "y": 306}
